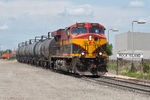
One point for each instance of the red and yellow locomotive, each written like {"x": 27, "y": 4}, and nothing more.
{"x": 83, "y": 46}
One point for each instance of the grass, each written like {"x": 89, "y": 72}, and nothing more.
{"x": 126, "y": 68}
{"x": 143, "y": 72}
{"x": 11, "y": 59}
{"x": 136, "y": 75}
{"x": 112, "y": 66}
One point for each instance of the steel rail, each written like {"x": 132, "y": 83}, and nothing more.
{"x": 136, "y": 87}
{"x": 126, "y": 81}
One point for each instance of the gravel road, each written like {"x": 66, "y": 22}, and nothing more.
{"x": 25, "y": 82}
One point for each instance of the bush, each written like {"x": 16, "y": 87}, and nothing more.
{"x": 126, "y": 68}
{"x": 146, "y": 68}
{"x": 109, "y": 49}
{"x": 133, "y": 69}
{"x": 108, "y": 66}
{"x": 112, "y": 67}
{"x": 136, "y": 75}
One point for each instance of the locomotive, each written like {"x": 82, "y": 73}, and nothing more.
{"x": 80, "y": 49}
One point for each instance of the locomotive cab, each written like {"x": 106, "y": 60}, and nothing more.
{"x": 88, "y": 40}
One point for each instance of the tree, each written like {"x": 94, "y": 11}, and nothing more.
{"x": 109, "y": 49}
{"x": 7, "y": 51}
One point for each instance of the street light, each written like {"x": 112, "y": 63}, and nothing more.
{"x": 113, "y": 30}
{"x": 138, "y": 22}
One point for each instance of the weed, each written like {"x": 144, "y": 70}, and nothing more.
{"x": 133, "y": 69}
{"x": 136, "y": 75}
{"x": 146, "y": 68}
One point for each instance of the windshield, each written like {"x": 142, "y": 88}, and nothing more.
{"x": 79, "y": 30}
{"x": 96, "y": 30}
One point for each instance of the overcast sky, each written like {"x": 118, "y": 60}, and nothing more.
{"x": 21, "y": 20}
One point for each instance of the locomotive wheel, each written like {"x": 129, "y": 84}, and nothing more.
{"x": 42, "y": 64}
{"x": 32, "y": 62}
{"x": 74, "y": 63}
{"x": 55, "y": 66}
{"x": 45, "y": 64}
{"x": 37, "y": 63}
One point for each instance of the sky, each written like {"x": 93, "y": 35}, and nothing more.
{"x": 21, "y": 20}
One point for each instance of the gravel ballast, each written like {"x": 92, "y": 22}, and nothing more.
{"x": 25, "y": 82}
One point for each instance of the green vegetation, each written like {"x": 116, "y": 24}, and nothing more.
{"x": 143, "y": 71}
{"x": 132, "y": 72}
{"x": 146, "y": 68}
{"x": 136, "y": 75}
{"x": 6, "y": 51}
{"x": 133, "y": 69}
{"x": 126, "y": 68}
{"x": 12, "y": 59}
{"x": 109, "y": 49}
{"x": 112, "y": 67}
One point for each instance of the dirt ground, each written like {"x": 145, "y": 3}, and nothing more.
{"x": 25, "y": 82}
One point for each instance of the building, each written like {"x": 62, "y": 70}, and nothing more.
{"x": 135, "y": 42}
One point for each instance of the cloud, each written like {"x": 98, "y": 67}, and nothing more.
{"x": 4, "y": 27}
{"x": 30, "y": 18}
{"x": 19, "y": 8}
{"x": 137, "y": 4}
{"x": 79, "y": 10}
{"x": 114, "y": 17}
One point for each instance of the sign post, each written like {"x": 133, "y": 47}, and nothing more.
{"x": 129, "y": 56}
{"x": 117, "y": 67}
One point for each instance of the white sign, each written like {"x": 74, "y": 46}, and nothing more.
{"x": 130, "y": 55}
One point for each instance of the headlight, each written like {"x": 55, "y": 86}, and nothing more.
{"x": 90, "y": 38}
{"x": 100, "y": 53}
{"x": 82, "y": 53}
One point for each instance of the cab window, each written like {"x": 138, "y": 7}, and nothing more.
{"x": 96, "y": 30}
{"x": 79, "y": 30}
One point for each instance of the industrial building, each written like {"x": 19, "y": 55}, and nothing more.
{"x": 132, "y": 42}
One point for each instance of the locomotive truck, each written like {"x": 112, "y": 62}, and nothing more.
{"x": 79, "y": 48}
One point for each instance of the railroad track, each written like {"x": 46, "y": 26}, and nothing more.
{"x": 120, "y": 83}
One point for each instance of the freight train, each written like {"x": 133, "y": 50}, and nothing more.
{"x": 80, "y": 49}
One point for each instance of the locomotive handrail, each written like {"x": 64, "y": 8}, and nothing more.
{"x": 36, "y": 38}
{"x": 22, "y": 44}
{"x": 43, "y": 37}
{"x": 26, "y": 43}
{"x": 49, "y": 34}
{"x": 19, "y": 45}
{"x": 31, "y": 41}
